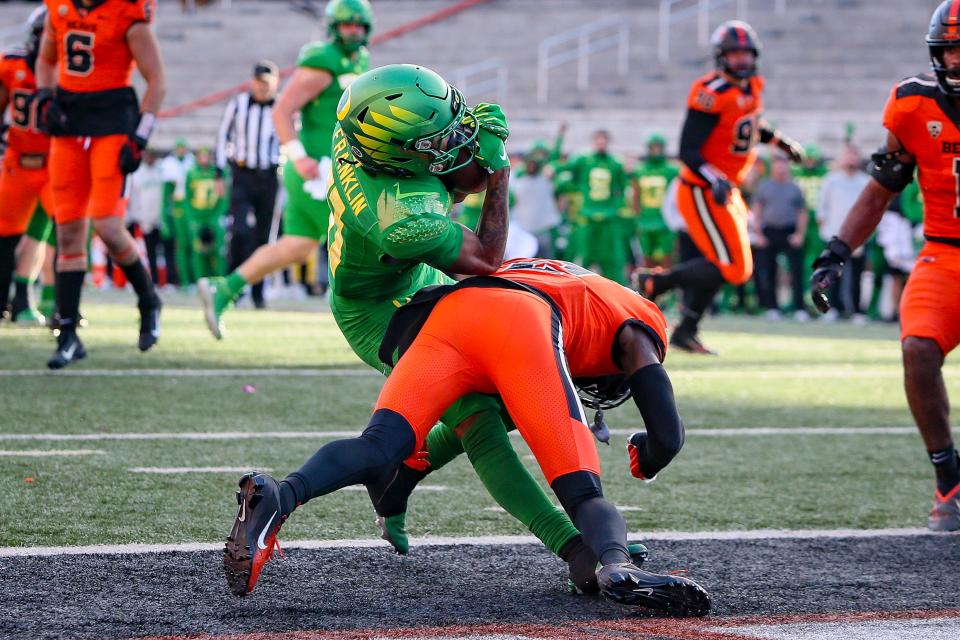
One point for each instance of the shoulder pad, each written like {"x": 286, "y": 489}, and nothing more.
{"x": 14, "y": 54}
{"x": 716, "y": 84}
{"x": 923, "y": 85}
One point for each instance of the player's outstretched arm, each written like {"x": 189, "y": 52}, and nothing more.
{"x": 892, "y": 170}
{"x": 305, "y": 85}
{"x": 652, "y": 392}
{"x": 482, "y": 252}
{"x": 774, "y": 137}
{"x": 46, "y": 67}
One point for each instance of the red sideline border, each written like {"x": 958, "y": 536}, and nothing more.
{"x": 396, "y": 32}
{"x": 636, "y": 627}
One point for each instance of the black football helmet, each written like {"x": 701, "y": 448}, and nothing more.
{"x": 735, "y": 35}
{"x": 944, "y": 32}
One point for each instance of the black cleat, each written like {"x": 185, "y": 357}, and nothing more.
{"x": 149, "y": 324}
{"x": 673, "y": 595}
{"x": 69, "y": 349}
{"x": 690, "y": 343}
{"x": 254, "y": 534}
{"x": 582, "y": 570}
{"x": 645, "y": 282}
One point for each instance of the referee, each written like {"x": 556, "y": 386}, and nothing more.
{"x": 248, "y": 143}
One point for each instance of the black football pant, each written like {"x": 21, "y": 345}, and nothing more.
{"x": 253, "y": 195}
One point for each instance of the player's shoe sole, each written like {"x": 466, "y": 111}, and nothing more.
{"x": 253, "y": 537}
{"x": 207, "y": 293}
{"x": 690, "y": 344}
{"x": 628, "y": 585}
{"x": 644, "y": 281}
{"x": 945, "y": 514}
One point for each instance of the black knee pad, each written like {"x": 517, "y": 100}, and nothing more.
{"x": 573, "y": 489}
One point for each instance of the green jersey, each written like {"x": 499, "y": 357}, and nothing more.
{"x": 386, "y": 233}
{"x": 319, "y": 116}
{"x": 911, "y": 202}
{"x": 653, "y": 177}
{"x": 201, "y": 192}
{"x": 601, "y": 181}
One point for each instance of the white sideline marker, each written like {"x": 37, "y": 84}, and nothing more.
{"x": 285, "y": 435}
{"x": 50, "y": 453}
{"x": 480, "y": 541}
{"x": 192, "y": 373}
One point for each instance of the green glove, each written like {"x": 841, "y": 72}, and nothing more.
{"x": 490, "y": 118}
{"x": 491, "y": 154}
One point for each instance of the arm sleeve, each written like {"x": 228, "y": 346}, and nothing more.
{"x": 225, "y": 133}
{"x": 696, "y": 129}
{"x": 416, "y": 225}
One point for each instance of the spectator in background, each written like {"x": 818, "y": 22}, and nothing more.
{"x": 247, "y": 142}
{"x": 809, "y": 177}
{"x": 896, "y": 239}
{"x": 535, "y": 207}
{"x": 781, "y": 213}
{"x": 841, "y": 188}
{"x": 174, "y": 232}
{"x": 145, "y": 208}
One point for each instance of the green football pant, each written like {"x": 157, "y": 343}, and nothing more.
{"x": 363, "y": 323}
{"x": 604, "y": 246}
{"x": 182, "y": 244}
{"x": 208, "y": 255}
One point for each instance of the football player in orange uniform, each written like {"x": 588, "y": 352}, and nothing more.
{"x": 922, "y": 118}
{"x": 718, "y": 147}
{"x": 526, "y": 332}
{"x": 23, "y": 181}
{"x": 86, "y": 102}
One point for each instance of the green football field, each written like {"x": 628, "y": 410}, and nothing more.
{"x": 793, "y": 426}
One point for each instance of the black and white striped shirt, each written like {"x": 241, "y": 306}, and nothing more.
{"x": 246, "y": 137}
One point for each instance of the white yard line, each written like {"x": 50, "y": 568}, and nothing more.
{"x": 178, "y": 470}
{"x": 287, "y": 435}
{"x": 826, "y": 372}
{"x": 758, "y": 534}
{"x": 46, "y": 453}
{"x": 190, "y": 373}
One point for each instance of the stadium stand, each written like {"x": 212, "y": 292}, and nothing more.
{"x": 821, "y": 73}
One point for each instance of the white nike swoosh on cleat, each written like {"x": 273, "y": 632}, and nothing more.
{"x": 243, "y": 511}
{"x": 644, "y": 592}
{"x": 264, "y": 532}
{"x": 68, "y": 353}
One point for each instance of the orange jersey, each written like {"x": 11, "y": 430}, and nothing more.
{"x": 594, "y": 310}
{"x": 928, "y": 127}
{"x": 732, "y": 146}
{"x": 92, "y": 50}
{"x": 17, "y": 78}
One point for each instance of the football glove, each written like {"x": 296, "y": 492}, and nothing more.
{"x": 51, "y": 118}
{"x": 491, "y": 154}
{"x": 827, "y": 269}
{"x": 131, "y": 153}
{"x": 720, "y": 186}
{"x": 490, "y": 118}
{"x": 635, "y": 445}
{"x": 792, "y": 148}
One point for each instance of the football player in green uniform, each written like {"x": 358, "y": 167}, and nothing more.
{"x": 601, "y": 181}
{"x": 205, "y": 208}
{"x": 405, "y": 149}
{"x": 651, "y": 178}
{"x": 324, "y": 70}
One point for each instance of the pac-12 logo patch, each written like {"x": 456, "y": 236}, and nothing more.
{"x": 935, "y": 128}
{"x": 62, "y": 10}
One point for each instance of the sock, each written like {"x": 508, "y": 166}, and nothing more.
{"x": 699, "y": 300}
{"x": 604, "y": 530}
{"x": 288, "y": 498}
{"x": 69, "y": 286}
{"x": 511, "y": 485}
{"x": 946, "y": 464}
{"x": 47, "y": 299}
{"x": 443, "y": 445}
{"x": 21, "y": 292}
{"x": 390, "y": 497}
{"x": 8, "y": 261}
{"x": 235, "y": 284}
{"x": 139, "y": 277}
{"x": 698, "y": 272}
{"x": 386, "y": 442}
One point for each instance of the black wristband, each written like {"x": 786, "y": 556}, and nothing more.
{"x": 839, "y": 248}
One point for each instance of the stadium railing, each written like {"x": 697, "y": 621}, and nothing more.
{"x": 483, "y": 78}
{"x": 670, "y": 15}
{"x": 578, "y": 45}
